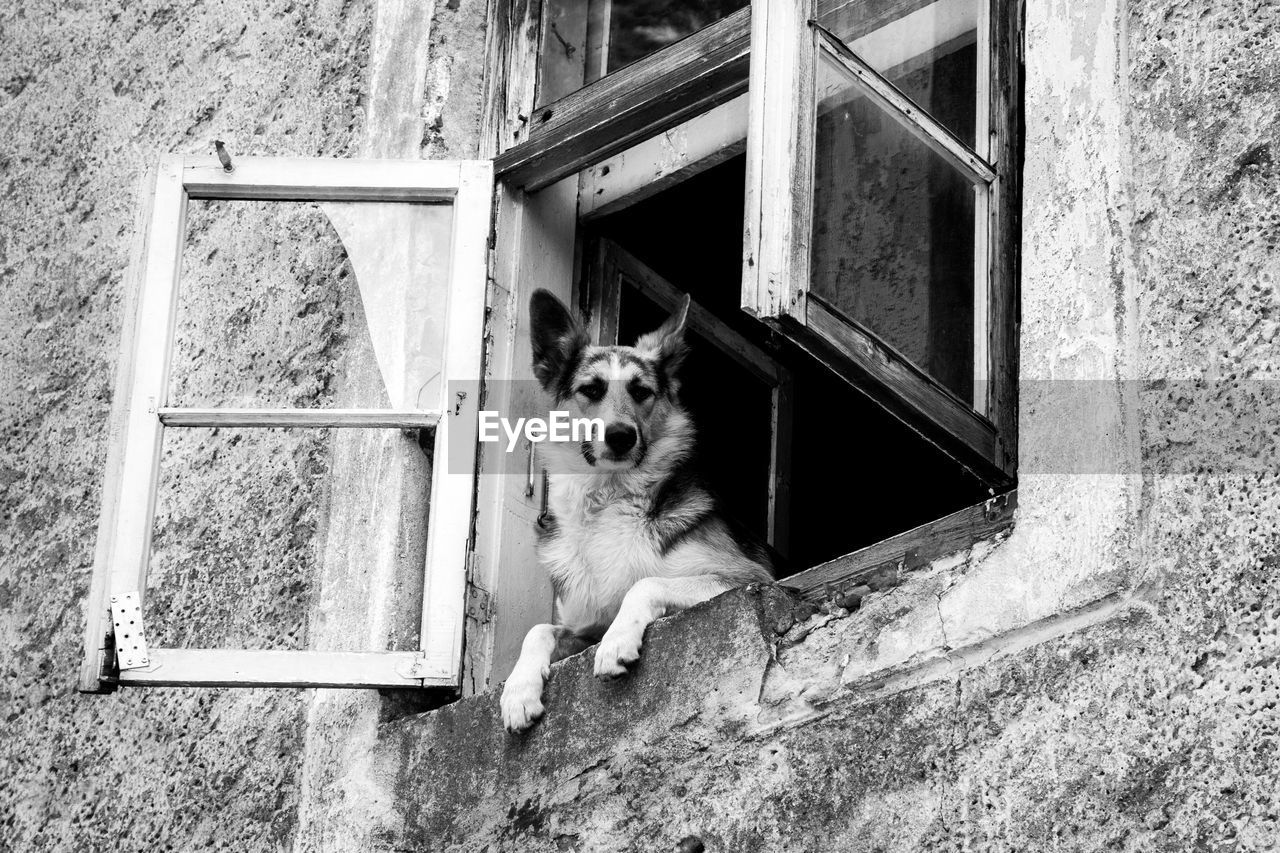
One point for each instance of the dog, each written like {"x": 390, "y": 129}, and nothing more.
{"x": 632, "y": 532}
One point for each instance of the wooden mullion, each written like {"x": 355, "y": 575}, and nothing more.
{"x": 779, "y": 185}
{"x": 782, "y": 434}
{"x": 451, "y": 518}
{"x": 905, "y": 551}
{"x": 1006, "y": 227}
{"x": 97, "y": 649}
{"x": 609, "y": 293}
{"x": 278, "y": 668}
{"x": 152, "y": 343}
{"x": 918, "y": 121}
{"x": 599, "y": 22}
{"x": 982, "y": 101}
{"x": 633, "y": 104}
{"x": 313, "y": 179}
{"x": 365, "y": 418}
{"x": 511, "y": 81}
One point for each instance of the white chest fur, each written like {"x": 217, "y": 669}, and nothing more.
{"x": 603, "y": 544}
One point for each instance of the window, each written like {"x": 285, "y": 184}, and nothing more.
{"x": 879, "y": 227}
{"x": 430, "y": 387}
{"x": 835, "y": 183}
{"x": 584, "y": 40}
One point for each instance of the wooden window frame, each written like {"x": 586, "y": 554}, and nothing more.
{"x": 788, "y": 44}
{"x": 633, "y": 133}
{"x": 882, "y": 564}
{"x": 631, "y": 105}
{"x": 129, "y": 493}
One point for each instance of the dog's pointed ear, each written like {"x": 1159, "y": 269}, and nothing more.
{"x": 558, "y": 341}
{"x": 667, "y": 343}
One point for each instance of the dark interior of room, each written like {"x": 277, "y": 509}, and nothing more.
{"x": 859, "y": 475}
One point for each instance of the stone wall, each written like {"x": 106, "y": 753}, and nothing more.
{"x": 1103, "y": 678}
{"x": 91, "y": 94}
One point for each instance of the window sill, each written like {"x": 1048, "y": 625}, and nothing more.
{"x": 738, "y": 668}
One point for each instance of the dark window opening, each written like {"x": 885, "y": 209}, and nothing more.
{"x": 638, "y": 28}
{"x": 584, "y": 40}
{"x": 858, "y": 474}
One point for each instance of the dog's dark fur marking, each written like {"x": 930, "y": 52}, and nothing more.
{"x": 558, "y": 344}
{"x": 751, "y": 544}
{"x": 672, "y": 492}
{"x": 625, "y": 358}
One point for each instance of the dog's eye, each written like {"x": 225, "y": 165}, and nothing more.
{"x": 639, "y": 393}
{"x": 594, "y": 391}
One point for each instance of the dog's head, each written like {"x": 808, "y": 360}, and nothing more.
{"x": 633, "y": 390}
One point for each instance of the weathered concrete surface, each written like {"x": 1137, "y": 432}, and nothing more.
{"x": 91, "y": 93}
{"x": 1128, "y": 735}
{"x": 372, "y": 598}
{"x": 1104, "y": 678}
{"x": 952, "y": 712}
{"x": 701, "y": 675}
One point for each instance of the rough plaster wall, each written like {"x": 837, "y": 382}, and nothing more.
{"x": 1075, "y": 541}
{"x": 91, "y": 93}
{"x": 426, "y": 71}
{"x": 260, "y": 323}
{"x": 957, "y": 711}
{"x": 455, "y": 79}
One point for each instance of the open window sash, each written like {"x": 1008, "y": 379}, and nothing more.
{"x": 117, "y": 604}
{"x": 608, "y": 115}
{"x": 827, "y": 254}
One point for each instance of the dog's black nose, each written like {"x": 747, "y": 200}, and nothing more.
{"x": 620, "y": 438}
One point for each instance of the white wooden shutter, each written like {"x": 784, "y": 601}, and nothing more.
{"x": 117, "y": 604}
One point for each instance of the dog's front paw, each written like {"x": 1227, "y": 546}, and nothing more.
{"x": 619, "y": 649}
{"x": 521, "y": 704}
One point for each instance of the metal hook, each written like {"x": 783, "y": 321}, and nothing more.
{"x": 224, "y": 156}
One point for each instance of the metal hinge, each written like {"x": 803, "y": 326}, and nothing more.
{"x": 130, "y": 637}
{"x": 479, "y": 604}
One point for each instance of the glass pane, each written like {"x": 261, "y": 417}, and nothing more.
{"x": 306, "y": 305}
{"x": 893, "y": 232}
{"x": 927, "y": 49}
{"x": 638, "y": 28}
{"x": 583, "y": 40}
